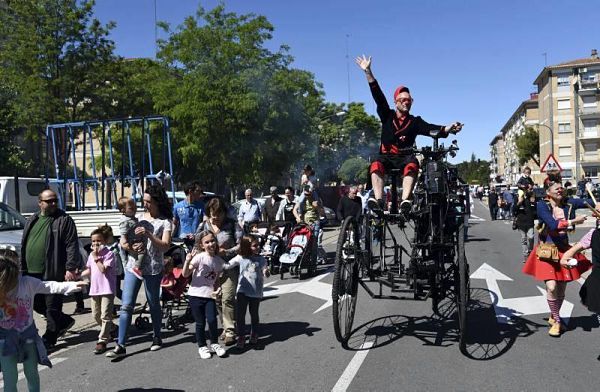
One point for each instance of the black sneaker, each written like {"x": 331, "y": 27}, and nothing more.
{"x": 66, "y": 327}
{"x": 405, "y": 206}
{"x": 156, "y": 344}
{"x": 118, "y": 352}
{"x": 376, "y": 206}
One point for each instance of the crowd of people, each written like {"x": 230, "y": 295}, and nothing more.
{"x": 553, "y": 259}
{"x": 224, "y": 266}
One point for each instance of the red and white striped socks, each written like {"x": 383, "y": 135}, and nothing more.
{"x": 555, "y": 305}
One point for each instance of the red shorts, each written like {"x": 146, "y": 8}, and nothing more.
{"x": 407, "y": 163}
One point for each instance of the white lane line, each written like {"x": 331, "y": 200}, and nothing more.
{"x": 344, "y": 382}
{"x": 55, "y": 361}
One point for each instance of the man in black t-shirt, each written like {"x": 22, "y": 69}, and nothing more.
{"x": 399, "y": 130}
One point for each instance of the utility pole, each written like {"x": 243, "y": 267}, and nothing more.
{"x": 348, "y": 66}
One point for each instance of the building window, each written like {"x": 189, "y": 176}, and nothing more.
{"x": 589, "y": 126}
{"x": 567, "y": 174}
{"x": 564, "y": 127}
{"x": 590, "y": 150}
{"x": 591, "y": 171}
{"x": 563, "y": 83}
{"x": 564, "y": 151}
{"x": 564, "y": 104}
{"x": 589, "y": 102}
{"x": 588, "y": 77}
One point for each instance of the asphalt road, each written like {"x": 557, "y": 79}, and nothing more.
{"x": 397, "y": 345}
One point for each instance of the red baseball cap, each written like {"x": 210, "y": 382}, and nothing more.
{"x": 399, "y": 90}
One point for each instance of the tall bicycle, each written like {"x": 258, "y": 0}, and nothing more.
{"x": 436, "y": 265}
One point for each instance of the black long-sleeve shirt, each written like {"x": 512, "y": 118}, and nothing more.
{"x": 349, "y": 207}
{"x": 396, "y": 133}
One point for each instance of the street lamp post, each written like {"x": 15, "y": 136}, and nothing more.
{"x": 551, "y": 136}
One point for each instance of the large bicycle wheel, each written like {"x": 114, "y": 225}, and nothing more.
{"x": 462, "y": 288}
{"x": 345, "y": 279}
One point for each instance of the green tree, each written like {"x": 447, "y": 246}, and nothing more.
{"x": 241, "y": 114}
{"x": 57, "y": 60}
{"x": 528, "y": 146}
{"x": 475, "y": 170}
{"x": 354, "y": 171}
{"x": 356, "y": 134}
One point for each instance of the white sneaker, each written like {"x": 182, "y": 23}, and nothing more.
{"x": 204, "y": 352}
{"x": 217, "y": 349}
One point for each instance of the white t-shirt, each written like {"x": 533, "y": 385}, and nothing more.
{"x": 17, "y": 310}
{"x": 206, "y": 270}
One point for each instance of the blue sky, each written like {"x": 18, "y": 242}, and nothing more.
{"x": 469, "y": 61}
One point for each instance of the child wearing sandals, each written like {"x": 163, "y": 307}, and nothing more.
{"x": 253, "y": 269}
{"x": 19, "y": 338}
{"x": 590, "y": 291}
{"x": 205, "y": 268}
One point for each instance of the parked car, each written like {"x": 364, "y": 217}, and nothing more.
{"x": 11, "y": 227}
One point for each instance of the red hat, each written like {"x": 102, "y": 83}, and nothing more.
{"x": 399, "y": 90}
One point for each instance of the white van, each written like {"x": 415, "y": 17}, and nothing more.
{"x": 29, "y": 189}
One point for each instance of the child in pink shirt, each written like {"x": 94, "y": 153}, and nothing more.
{"x": 103, "y": 286}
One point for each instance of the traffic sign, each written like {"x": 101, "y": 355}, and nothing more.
{"x": 551, "y": 164}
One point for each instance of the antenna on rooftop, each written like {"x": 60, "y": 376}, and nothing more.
{"x": 545, "y": 54}
{"x": 348, "y": 66}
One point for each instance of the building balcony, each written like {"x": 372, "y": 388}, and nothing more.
{"x": 589, "y": 135}
{"x": 587, "y": 113}
{"x": 590, "y": 84}
{"x": 590, "y": 157}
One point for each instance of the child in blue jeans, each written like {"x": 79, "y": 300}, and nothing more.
{"x": 19, "y": 338}
{"x": 253, "y": 269}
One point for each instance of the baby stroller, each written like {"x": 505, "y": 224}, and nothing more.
{"x": 272, "y": 241}
{"x": 299, "y": 253}
{"x": 172, "y": 296}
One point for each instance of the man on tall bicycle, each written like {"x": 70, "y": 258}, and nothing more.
{"x": 399, "y": 129}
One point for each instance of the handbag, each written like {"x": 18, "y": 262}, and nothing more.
{"x": 547, "y": 252}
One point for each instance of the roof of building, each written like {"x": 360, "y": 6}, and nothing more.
{"x": 496, "y": 138}
{"x": 527, "y": 104}
{"x": 592, "y": 60}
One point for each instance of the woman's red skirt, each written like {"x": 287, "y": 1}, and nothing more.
{"x": 548, "y": 270}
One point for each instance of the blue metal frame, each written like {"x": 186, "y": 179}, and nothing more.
{"x": 80, "y": 181}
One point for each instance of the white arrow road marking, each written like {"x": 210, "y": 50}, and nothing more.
{"x": 314, "y": 288}
{"x": 55, "y": 361}
{"x": 346, "y": 378}
{"x": 475, "y": 218}
{"x": 506, "y": 308}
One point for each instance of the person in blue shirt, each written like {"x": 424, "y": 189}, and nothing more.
{"x": 509, "y": 199}
{"x": 249, "y": 211}
{"x": 188, "y": 213}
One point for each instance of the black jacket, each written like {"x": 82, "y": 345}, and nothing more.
{"x": 525, "y": 213}
{"x": 493, "y": 199}
{"x": 62, "y": 246}
{"x": 349, "y": 207}
{"x": 270, "y": 209}
{"x": 396, "y": 134}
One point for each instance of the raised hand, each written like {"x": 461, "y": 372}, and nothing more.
{"x": 363, "y": 62}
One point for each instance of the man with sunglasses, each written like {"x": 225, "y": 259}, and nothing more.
{"x": 50, "y": 251}
{"x": 399, "y": 130}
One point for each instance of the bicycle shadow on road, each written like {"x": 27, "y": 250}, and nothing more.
{"x": 486, "y": 339}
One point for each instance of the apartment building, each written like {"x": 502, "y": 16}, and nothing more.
{"x": 497, "y": 160}
{"x": 525, "y": 116}
{"x": 569, "y": 115}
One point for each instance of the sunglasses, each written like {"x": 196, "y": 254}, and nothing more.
{"x": 50, "y": 201}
